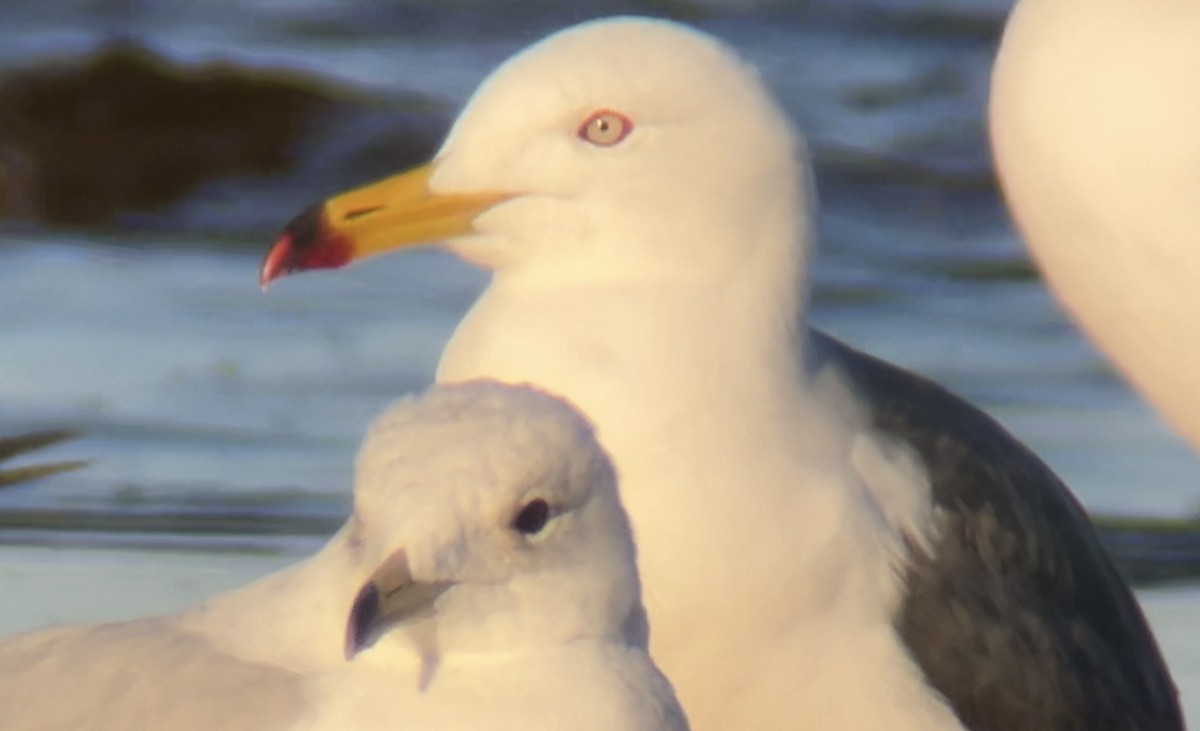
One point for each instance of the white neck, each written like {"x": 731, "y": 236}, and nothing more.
{"x": 642, "y": 364}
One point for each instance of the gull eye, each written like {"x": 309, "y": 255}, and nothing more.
{"x": 532, "y": 518}
{"x": 605, "y": 128}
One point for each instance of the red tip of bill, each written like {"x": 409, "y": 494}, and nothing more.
{"x": 277, "y": 263}
{"x": 306, "y": 243}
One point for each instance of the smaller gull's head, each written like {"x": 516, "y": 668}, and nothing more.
{"x": 488, "y": 518}
{"x": 618, "y": 149}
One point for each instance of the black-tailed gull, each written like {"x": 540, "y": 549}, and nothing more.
{"x": 827, "y": 542}
{"x": 485, "y": 580}
{"x": 1095, "y": 125}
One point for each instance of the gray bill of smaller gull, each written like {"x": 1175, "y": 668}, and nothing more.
{"x": 1095, "y": 128}
{"x": 486, "y": 579}
{"x": 827, "y": 541}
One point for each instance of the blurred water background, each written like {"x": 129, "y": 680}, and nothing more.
{"x": 221, "y": 422}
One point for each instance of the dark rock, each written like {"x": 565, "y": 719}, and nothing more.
{"x": 15, "y": 446}
{"x": 105, "y": 140}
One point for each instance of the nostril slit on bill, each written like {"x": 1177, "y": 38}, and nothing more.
{"x": 360, "y": 212}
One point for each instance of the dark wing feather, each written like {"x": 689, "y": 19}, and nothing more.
{"x": 1017, "y": 615}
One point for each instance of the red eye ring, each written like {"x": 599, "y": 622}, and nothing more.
{"x": 605, "y": 128}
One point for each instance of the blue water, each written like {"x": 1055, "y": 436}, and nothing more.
{"x": 186, "y": 378}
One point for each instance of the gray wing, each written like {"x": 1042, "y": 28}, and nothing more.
{"x": 1017, "y": 615}
{"x": 146, "y": 674}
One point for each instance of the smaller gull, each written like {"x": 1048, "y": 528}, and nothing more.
{"x": 485, "y": 580}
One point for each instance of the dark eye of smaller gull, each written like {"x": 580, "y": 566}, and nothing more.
{"x": 532, "y": 518}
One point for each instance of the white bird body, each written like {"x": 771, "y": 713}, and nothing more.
{"x": 1094, "y": 115}
{"x": 518, "y": 641}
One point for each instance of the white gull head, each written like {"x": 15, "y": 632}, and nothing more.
{"x": 630, "y": 146}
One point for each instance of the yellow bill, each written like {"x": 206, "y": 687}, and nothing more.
{"x": 396, "y": 212}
